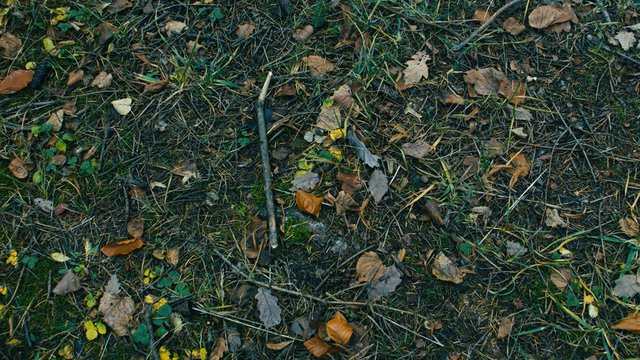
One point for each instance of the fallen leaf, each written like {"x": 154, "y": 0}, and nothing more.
{"x": 59, "y": 257}
{"x": 453, "y": 99}
{"x": 44, "y": 205}
{"x": 361, "y": 150}
{"x": 55, "y": 120}
{"x": 135, "y": 228}
{"x": 234, "y": 341}
{"x": 350, "y": 182}
{"x": 418, "y": 149}
{"x": 75, "y": 77}
{"x": 515, "y": 249}
{"x": 20, "y": 167}
{"x": 303, "y": 33}
{"x": 317, "y": 65}
{"x": 485, "y": 81}
{"x": 247, "y": 87}
{"x": 255, "y": 238}
{"x": 553, "y": 219}
{"x": 513, "y": 26}
{"x": 630, "y": 323}
{"x": 245, "y": 30}
{"x": 495, "y": 147}
{"x": 308, "y": 203}
{"x": 278, "y": 346}
{"x": 306, "y": 181}
{"x": 117, "y": 310}
{"x": 118, "y": 5}
{"x": 329, "y": 118}
{"x": 187, "y": 170}
{"x": 9, "y": 45}
{"x": 546, "y": 16}
{"x": 626, "y": 39}
{"x": 124, "y": 247}
{"x": 122, "y": 106}
{"x": 268, "y": 308}
{"x": 159, "y": 254}
{"x": 416, "y": 68}
{"x": 629, "y": 226}
{"x": 318, "y": 347}
{"x": 521, "y": 167}
{"x": 285, "y": 90}
{"x": 16, "y": 81}
{"x": 155, "y": 87}
{"x": 301, "y": 327}
{"x": 218, "y": 350}
{"x": 432, "y": 212}
{"x": 343, "y": 97}
{"x": 338, "y": 329}
{"x": 627, "y": 285}
{"x": 520, "y": 113}
{"x": 519, "y": 132}
{"x": 343, "y": 202}
{"x": 386, "y": 284}
{"x": 481, "y": 15}
{"x": 173, "y": 256}
{"x": 69, "y": 107}
{"x": 444, "y": 269}
{"x": 69, "y": 283}
{"x": 378, "y": 185}
{"x": 60, "y": 209}
{"x": 102, "y": 80}
{"x": 173, "y": 27}
{"x": 561, "y": 278}
{"x": 369, "y": 267}
{"x": 506, "y": 325}
{"x": 514, "y": 91}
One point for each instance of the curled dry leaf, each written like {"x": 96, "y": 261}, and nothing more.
{"x": 186, "y": 169}
{"x": 338, "y": 329}
{"x": 173, "y": 27}
{"x": 481, "y": 15}
{"x": 319, "y": 348}
{"x": 255, "y": 238}
{"x": 513, "y": 26}
{"x": 521, "y": 167}
{"x": 630, "y": 323}
{"x": 16, "y": 81}
{"x": 416, "y": 68}
{"x": 418, "y": 149}
{"x": 135, "y": 227}
{"x": 546, "y": 16}
{"x": 453, "y": 99}
{"x": 506, "y": 325}
{"x": 117, "y": 310}
{"x": 369, "y": 267}
{"x": 75, "y": 77}
{"x": 444, "y": 269}
{"x": 308, "y": 203}
{"x": 173, "y": 256}
{"x": 343, "y": 202}
{"x": 485, "y": 81}
{"x": 553, "y": 219}
{"x": 245, "y": 30}
{"x": 155, "y": 87}
{"x": 69, "y": 283}
{"x": 350, "y": 182}
{"x": 9, "y": 45}
{"x": 432, "y": 212}
{"x": 20, "y": 167}
{"x": 278, "y": 346}
{"x": 561, "y": 278}
{"x": 303, "y": 33}
{"x": 219, "y": 349}
{"x": 102, "y": 80}
{"x": 318, "y": 65}
{"x": 124, "y": 247}
{"x": 629, "y": 226}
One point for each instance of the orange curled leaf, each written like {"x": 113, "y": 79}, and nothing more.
{"x": 339, "y": 329}
{"x": 308, "y": 203}
{"x": 318, "y": 347}
{"x": 124, "y": 247}
{"x": 16, "y": 81}
{"x": 630, "y": 323}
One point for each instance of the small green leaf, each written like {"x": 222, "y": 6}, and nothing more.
{"x": 465, "y": 248}
{"x": 37, "y": 177}
{"x": 216, "y": 14}
{"x": 161, "y": 331}
{"x": 141, "y": 335}
{"x": 61, "y": 145}
{"x": 164, "y": 310}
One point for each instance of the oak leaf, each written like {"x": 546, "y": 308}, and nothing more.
{"x": 416, "y": 68}
{"x": 116, "y": 309}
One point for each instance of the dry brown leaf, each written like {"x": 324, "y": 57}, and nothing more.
{"x": 278, "y": 346}
{"x": 369, "y": 267}
{"x": 553, "y": 219}
{"x": 123, "y": 247}
{"x": 9, "y": 45}
{"x": 69, "y": 107}
{"x": 453, "y": 99}
{"x": 343, "y": 202}
{"x": 506, "y": 325}
{"x": 69, "y": 283}
{"x": 155, "y": 87}
{"x": 416, "y": 68}
{"x": 338, "y": 329}
{"x": 255, "y": 238}
{"x": 318, "y": 347}
{"x": 173, "y": 256}
{"x": 444, "y": 269}
{"x": 55, "y": 120}
{"x": 308, "y": 203}
{"x": 318, "y": 65}
{"x": 173, "y": 27}
{"x": 158, "y": 254}
{"x": 15, "y": 81}
{"x": 247, "y": 86}
{"x": 75, "y": 77}
{"x": 481, "y": 15}
{"x": 418, "y": 149}
{"x": 285, "y": 90}
{"x": 303, "y": 33}
{"x": 629, "y": 226}
{"x": 485, "y": 81}
{"x": 102, "y": 80}
{"x": 546, "y": 16}
{"x": 343, "y": 97}
{"x": 350, "y": 182}
{"x": 329, "y": 118}
{"x": 137, "y": 193}
{"x": 135, "y": 227}
{"x": 118, "y": 5}
{"x": 186, "y": 169}
{"x": 515, "y": 91}
{"x": 245, "y": 30}
{"x": 630, "y": 323}
{"x": 513, "y": 26}
{"x": 219, "y": 349}
{"x": 561, "y": 278}
{"x": 20, "y": 167}
{"x": 117, "y": 310}
{"x": 432, "y": 212}
{"x": 521, "y": 167}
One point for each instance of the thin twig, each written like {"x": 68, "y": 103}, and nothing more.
{"x": 584, "y": 152}
{"x": 484, "y": 26}
{"x": 152, "y": 340}
{"x": 266, "y": 167}
{"x": 418, "y": 20}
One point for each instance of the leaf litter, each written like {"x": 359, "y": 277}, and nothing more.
{"x": 268, "y": 308}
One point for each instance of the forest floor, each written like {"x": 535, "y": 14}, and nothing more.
{"x": 436, "y": 197}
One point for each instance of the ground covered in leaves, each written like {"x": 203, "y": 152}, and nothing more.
{"x": 452, "y": 179}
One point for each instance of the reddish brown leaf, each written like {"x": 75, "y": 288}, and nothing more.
{"x": 308, "y": 203}
{"x": 135, "y": 228}
{"x": 318, "y": 347}
{"x": 350, "y": 182}
{"x": 521, "y": 167}
{"x": 285, "y": 90}
{"x": 339, "y": 329}
{"x": 16, "y": 81}
{"x": 20, "y": 167}
{"x": 515, "y": 91}
{"x": 124, "y": 247}
{"x": 155, "y": 87}
{"x": 60, "y": 209}
{"x": 630, "y": 323}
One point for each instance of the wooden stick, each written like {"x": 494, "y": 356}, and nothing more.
{"x": 484, "y": 26}
{"x": 266, "y": 167}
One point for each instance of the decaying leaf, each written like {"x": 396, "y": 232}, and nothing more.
{"x": 245, "y": 30}
{"x": 485, "y": 81}
{"x": 515, "y": 249}
{"x": 386, "y": 284}
{"x": 629, "y": 226}
{"x": 308, "y": 202}
{"x": 481, "y": 15}
{"x": 303, "y": 33}
{"x": 9, "y": 45}
{"x": 369, "y": 267}
{"x": 55, "y": 120}
{"x": 278, "y": 346}
{"x": 553, "y": 219}
{"x": 16, "y": 81}
{"x": 343, "y": 202}
{"x": 285, "y": 90}
{"x": 155, "y": 87}
{"x": 418, "y": 149}
{"x": 318, "y": 65}
{"x": 561, "y": 278}
{"x": 302, "y": 327}
{"x": 513, "y": 26}
{"x": 630, "y": 323}
{"x": 219, "y": 349}
{"x": 444, "y": 269}
{"x": 343, "y": 97}
{"x": 432, "y": 212}
{"x": 361, "y": 150}
{"x": 417, "y": 68}
{"x": 118, "y": 5}
{"x": 627, "y": 285}
{"x": 521, "y": 167}
{"x": 102, "y": 80}
{"x": 59, "y": 257}
{"x": 173, "y": 27}
{"x": 626, "y": 39}
{"x": 268, "y": 308}
{"x": 75, "y": 77}
{"x": 319, "y": 348}
{"x": 173, "y": 256}
{"x": 186, "y": 170}
{"x": 135, "y": 227}
{"x": 117, "y": 310}
{"x": 378, "y": 185}
{"x": 350, "y": 182}
{"x": 44, "y": 205}
{"x": 20, "y": 167}
{"x": 338, "y": 329}
{"x": 453, "y": 99}
{"x": 548, "y": 16}
{"x": 124, "y": 247}
{"x": 69, "y": 283}
{"x": 255, "y": 238}
{"x": 506, "y": 325}
{"x": 329, "y": 118}
{"x": 122, "y": 106}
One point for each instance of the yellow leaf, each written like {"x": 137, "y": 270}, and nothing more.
{"x": 335, "y": 152}
{"x": 3, "y": 290}
{"x": 66, "y": 352}
{"x": 91, "y": 332}
{"x": 336, "y": 134}
{"x": 59, "y": 257}
{"x": 102, "y": 328}
{"x": 48, "y": 45}
{"x": 12, "y": 259}
{"x": 149, "y": 299}
{"x": 30, "y": 65}
{"x": 13, "y": 342}
{"x": 164, "y": 353}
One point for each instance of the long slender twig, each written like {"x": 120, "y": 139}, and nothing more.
{"x": 266, "y": 167}
{"x": 484, "y": 26}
